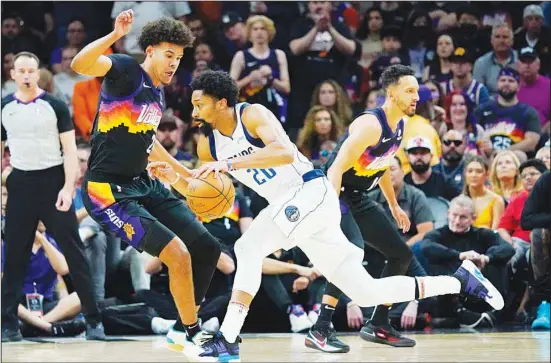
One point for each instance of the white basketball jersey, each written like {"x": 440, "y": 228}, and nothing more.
{"x": 270, "y": 183}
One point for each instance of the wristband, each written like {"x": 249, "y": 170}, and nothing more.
{"x": 175, "y": 180}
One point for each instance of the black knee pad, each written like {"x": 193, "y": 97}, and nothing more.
{"x": 205, "y": 250}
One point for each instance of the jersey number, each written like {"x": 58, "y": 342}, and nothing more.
{"x": 501, "y": 142}
{"x": 261, "y": 176}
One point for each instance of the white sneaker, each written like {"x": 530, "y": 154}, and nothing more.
{"x": 299, "y": 320}
{"x": 161, "y": 326}
{"x": 179, "y": 342}
{"x": 211, "y": 326}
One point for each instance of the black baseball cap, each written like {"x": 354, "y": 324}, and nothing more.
{"x": 462, "y": 55}
{"x": 527, "y": 54}
{"x": 230, "y": 18}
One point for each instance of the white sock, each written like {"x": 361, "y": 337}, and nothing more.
{"x": 437, "y": 285}
{"x": 233, "y": 321}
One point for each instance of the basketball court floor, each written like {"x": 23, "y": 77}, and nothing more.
{"x": 437, "y": 346}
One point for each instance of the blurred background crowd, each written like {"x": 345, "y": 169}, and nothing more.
{"x": 471, "y": 155}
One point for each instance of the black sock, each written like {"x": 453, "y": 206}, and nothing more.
{"x": 380, "y": 315}
{"x": 193, "y": 329}
{"x": 326, "y": 315}
{"x": 178, "y": 325}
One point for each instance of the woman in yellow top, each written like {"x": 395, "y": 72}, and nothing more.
{"x": 489, "y": 206}
{"x": 505, "y": 175}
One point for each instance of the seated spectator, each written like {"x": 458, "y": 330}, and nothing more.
{"x": 330, "y": 95}
{"x": 460, "y": 117}
{"x": 16, "y": 38}
{"x": 261, "y": 72}
{"x": 76, "y": 38}
{"x": 445, "y": 249}
{"x": 168, "y": 134}
{"x": 369, "y": 35}
{"x": 543, "y": 154}
{"x": 85, "y": 103}
{"x": 46, "y": 80}
{"x": 392, "y": 54}
{"x": 535, "y": 89}
{"x": 509, "y": 225}
{"x": 41, "y": 310}
{"x": 411, "y": 200}
{"x": 488, "y": 205}
{"x": 462, "y": 70}
{"x": 509, "y": 123}
{"x": 505, "y": 175}
{"x": 488, "y": 67}
{"x": 419, "y": 153}
{"x": 419, "y": 39}
{"x": 320, "y": 125}
{"x": 64, "y": 82}
{"x": 452, "y": 163}
{"x": 233, "y": 37}
{"x": 536, "y": 216}
{"x": 375, "y": 98}
{"x": 439, "y": 70}
{"x": 533, "y": 35}
{"x": 437, "y": 94}
{"x": 420, "y": 125}
{"x": 8, "y": 84}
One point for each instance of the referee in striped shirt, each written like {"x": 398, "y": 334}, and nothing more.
{"x": 40, "y": 187}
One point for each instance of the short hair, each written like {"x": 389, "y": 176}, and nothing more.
{"x": 534, "y": 163}
{"x": 165, "y": 30}
{"x": 463, "y": 201}
{"x": 268, "y": 24}
{"x": 217, "y": 84}
{"x": 392, "y": 74}
{"x": 498, "y": 26}
{"x": 28, "y": 55}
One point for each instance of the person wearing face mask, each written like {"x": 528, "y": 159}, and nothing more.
{"x": 452, "y": 163}
{"x": 419, "y": 38}
{"x": 419, "y": 152}
{"x": 510, "y": 124}
{"x": 533, "y": 35}
{"x": 468, "y": 32}
{"x": 446, "y": 247}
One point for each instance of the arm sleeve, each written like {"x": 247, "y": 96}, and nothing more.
{"x": 498, "y": 250}
{"x": 64, "y": 122}
{"x": 536, "y": 213}
{"x": 532, "y": 120}
{"x": 124, "y": 77}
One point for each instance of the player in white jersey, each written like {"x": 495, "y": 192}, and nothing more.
{"x": 248, "y": 142}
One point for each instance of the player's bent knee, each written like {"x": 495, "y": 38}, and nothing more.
{"x": 206, "y": 249}
{"x": 175, "y": 254}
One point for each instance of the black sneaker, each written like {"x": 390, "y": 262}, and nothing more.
{"x": 69, "y": 328}
{"x": 385, "y": 334}
{"x": 218, "y": 349}
{"x": 325, "y": 339}
{"x": 95, "y": 332}
{"x": 11, "y": 335}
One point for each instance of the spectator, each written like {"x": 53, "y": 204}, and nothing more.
{"x": 437, "y": 94}
{"x": 420, "y": 125}
{"x": 64, "y": 82}
{"x": 370, "y": 38}
{"x": 261, "y": 72}
{"x": 469, "y": 33}
{"x": 320, "y": 125}
{"x": 46, "y": 80}
{"x": 330, "y": 95}
{"x": 439, "y": 70}
{"x": 505, "y": 175}
{"x": 202, "y": 35}
{"x": 322, "y": 48}
{"x": 487, "y": 68}
{"x": 509, "y": 225}
{"x": 16, "y": 39}
{"x": 509, "y": 123}
{"x": 462, "y": 68}
{"x": 76, "y": 38}
{"x": 411, "y": 200}
{"x": 375, "y": 98}
{"x": 8, "y": 85}
{"x": 535, "y": 89}
{"x": 488, "y": 205}
{"x": 460, "y": 117}
{"x": 168, "y": 135}
{"x": 543, "y": 154}
{"x": 85, "y": 101}
{"x": 452, "y": 164}
{"x": 392, "y": 54}
{"x": 536, "y": 216}
{"x": 445, "y": 248}
{"x": 419, "y": 38}
{"x": 234, "y": 37}
{"x": 533, "y": 36}
{"x": 419, "y": 153}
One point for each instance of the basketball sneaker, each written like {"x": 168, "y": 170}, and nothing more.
{"x": 542, "y": 318}
{"x": 473, "y": 283}
{"x": 385, "y": 334}
{"x": 298, "y": 319}
{"x": 325, "y": 339}
{"x": 218, "y": 349}
{"x": 180, "y": 342}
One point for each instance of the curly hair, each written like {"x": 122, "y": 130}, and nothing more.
{"x": 392, "y": 74}
{"x": 165, "y": 30}
{"x": 217, "y": 84}
{"x": 342, "y": 103}
{"x": 308, "y": 140}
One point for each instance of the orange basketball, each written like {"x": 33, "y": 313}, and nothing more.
{"x": 211, "y": 197}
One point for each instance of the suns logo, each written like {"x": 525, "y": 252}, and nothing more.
{"x": 129, "y": 230}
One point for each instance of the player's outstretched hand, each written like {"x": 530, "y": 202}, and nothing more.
{"x": 161, "y": 170}
{"x": 401, "y": 218}
{"x": 123, "y": 22}
{"x": 216, "y": 167}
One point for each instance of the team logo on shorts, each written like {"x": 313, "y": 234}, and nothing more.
{"x": 129, "y": 230}
{"x": 292, "y": 213}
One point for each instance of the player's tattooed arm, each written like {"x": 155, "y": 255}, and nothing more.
{"x": 365, "y": 131}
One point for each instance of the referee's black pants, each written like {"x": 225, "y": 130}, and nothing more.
{"x": 32, "y": 196}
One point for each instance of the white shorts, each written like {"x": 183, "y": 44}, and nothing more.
{"x": 309, "y": 217}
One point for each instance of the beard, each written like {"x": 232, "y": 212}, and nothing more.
{"x": 453, "y": 157}
{"x": 168, "y": 144}
{"x": 507, "y": 95}
{"x": 205, "y": 128}
{"x": 420, "y": 167}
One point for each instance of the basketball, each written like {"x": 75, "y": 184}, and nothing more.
{"x": 211, "y": 197}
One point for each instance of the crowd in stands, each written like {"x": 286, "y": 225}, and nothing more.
{"x": 467, "y": 172}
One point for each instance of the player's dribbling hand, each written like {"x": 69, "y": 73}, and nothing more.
{"x": 161, "y": 170}
{"x": 123, "y": 22}
{"x": 64, "y": 200}
{"x": 215, "y": 167}
{"x": 401, "y": 218}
